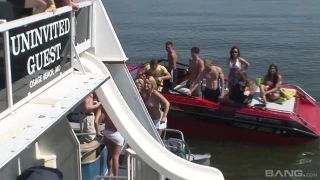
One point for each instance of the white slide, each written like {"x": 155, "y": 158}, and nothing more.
{"x": 146, "y": 147}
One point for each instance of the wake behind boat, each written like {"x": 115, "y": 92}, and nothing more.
{"x": 293, "y": 120}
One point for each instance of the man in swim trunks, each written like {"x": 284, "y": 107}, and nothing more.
{"x": 172, "y": 63}
{"x": 158, "y": 71}
{"x": 214, "y": 76}
{"x": 196, "y": 66}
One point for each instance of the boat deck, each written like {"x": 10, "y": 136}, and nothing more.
{"x": 310, "y": 113}
{"x": 285, "y": 107}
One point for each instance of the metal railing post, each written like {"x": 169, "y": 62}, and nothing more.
{"x": 8, "y": 68}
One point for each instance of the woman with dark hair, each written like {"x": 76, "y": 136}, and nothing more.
{"x": 235, "y": 63}
{"x": 270, "y": 87}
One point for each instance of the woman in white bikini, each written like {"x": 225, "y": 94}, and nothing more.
{"x": 154, "y": 102}
{"x": 114, "y": 141}
{"x": 235, "y": 63}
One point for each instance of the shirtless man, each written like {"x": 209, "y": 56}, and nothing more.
{"x": 172, "y": 63}
{"x": 196, "y": 66}
{"x": 172, "y": 56}
{"x": 213, "y": 75}
{"x": 88, "y": 111}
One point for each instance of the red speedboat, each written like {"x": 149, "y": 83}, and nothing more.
{"x": 295, "y": 120}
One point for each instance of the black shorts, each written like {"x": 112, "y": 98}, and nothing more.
{"x": 212, "y": 95}
{"x": 17, "y": 3}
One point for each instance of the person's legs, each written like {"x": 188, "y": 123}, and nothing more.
{"x": 109, "y": 158}
{"x": 263, "y": 89}
{"x": 115, "y": 158}
{"x": 38, "y": 5}
{"x": 114, "y": 142}
{"x": 160, "y": 132}
{"x": 273, "y": 96}
{"x": 174, "y": 79}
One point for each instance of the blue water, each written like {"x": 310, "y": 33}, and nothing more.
{"x": 284, "y": 32}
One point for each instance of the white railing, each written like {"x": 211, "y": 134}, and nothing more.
{"x": 137, "y": 169}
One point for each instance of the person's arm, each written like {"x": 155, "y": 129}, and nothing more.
{"x": 192, "y": 88}
{"x": 221, "y": 77}
{"x": 166, "y": 75}
{"x": 244, "y": 62}
{"x": 51, "y": 6}
{"x": 190, "y": 68}
{"x": 174, "y": 60}
{"x": 165, "y": 104}
{"x": 277, "y": 86}
{"x": 97, "y": 121}
{"x": 74, "y": 5}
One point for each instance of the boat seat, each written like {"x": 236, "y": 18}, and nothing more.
{"x": 177, "y": 146}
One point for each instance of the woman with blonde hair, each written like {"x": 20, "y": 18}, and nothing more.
{"x": 140, "y": 85}
{"x": 154, "y": 102}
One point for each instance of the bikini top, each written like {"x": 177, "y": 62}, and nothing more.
{"x": 236, "y": 65}
{"x": 270, "y": 83}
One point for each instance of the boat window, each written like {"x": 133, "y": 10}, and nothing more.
{"x": 82, "y": 25}
{"x": 37, "y": 56}
{"x": 3, "y": 89}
